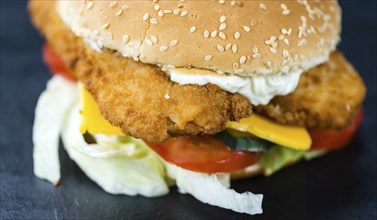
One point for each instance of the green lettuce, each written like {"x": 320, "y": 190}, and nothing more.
{"x": 278, "y": 157}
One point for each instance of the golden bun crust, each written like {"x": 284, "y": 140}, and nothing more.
{"x": 236, "y": 37}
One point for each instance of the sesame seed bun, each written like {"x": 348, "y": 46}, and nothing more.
{"x": 236, "y": 37}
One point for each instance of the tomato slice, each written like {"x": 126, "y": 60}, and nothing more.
{"x": 56, "y": 64}
{"x": 326, "y": 139}
{"x": 204, "y": 154}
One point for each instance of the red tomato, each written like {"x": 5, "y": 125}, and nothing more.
{"x": 56, "y": 64}
{"x": 335, "y": 139}
{"x": 204, "y": 154}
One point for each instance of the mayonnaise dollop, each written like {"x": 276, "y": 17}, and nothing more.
{"x": 258, "y": 89}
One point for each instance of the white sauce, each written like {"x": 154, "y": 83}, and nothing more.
{"x": 258, "y": 89}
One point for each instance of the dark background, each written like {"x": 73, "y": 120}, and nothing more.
{"x": 341, "y": 185}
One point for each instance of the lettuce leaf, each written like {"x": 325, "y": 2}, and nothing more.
{"x": 212, "y": 189}
{"x": 312, "y": 154}
{"x": 119, "y": 166}
{"x": 278, "y": 157}
{"x": 50, "y": 113}
{"x": 244, "y": 143}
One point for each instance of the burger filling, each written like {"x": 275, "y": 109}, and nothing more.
{"x": 198, "y": 165}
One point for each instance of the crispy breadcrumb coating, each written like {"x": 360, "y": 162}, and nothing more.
{"x": 137, "y": 97}
{"x": 328, "y": 96}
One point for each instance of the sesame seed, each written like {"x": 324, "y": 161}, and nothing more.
{"x": 126, "y": 39}
{"x": 214, "y": 34}
{"x": 222, "y": 19}
{"x": 163, "y": 48}
{"x": 301, "y": 42}
{"x": 253, "y": 22}
{"x": 243, "y": 60}
{"x": 192, "y": 29}
{"x": 220, "y": 48}
{"x": 303, "y": 19}
{"x": 154, "y": 39}
{"x": 149, "y": 42}
{"x": 119, "y": 13}
{"x": 105, "y": 26}
{"x": 269, "y": 64}
{"x": 286, "y": 41}
{"x": 228, "y": 46}
{"x": 237, "y": 35}
{"x": 285, "y": 69}
{"x": 285, "y": 53}
{"x": 89, "y": 5}
{"x": 160, "y": 13}
{"x": 157, "y": 7}
{"x": 257, "y": 56}
{"x": 153, "y": 21}
{"x": 112, "y": 4}
{"x": 238, "y": 71}
{"x": 222, "y": 26}
{"x": 222, "y": 35}
{"x": 234, "y": 48}
{"x": 145, "y": 17}
{"x": 176, "y": 11}
{"x": 184, "y": 13}
{"x": 312, "y": 29}
{"x": 173, "y": 43}
{"x": 208, "y": 58}
{"x": 124, "y": 7}
{"x": 206, "y": 34}
{"x": 255, "y": 49}
{"x": 246, "y": 28}
{"x": 273, "y": 50}
{"x": 286, "y": 12}
{"x": 262, "y": 6}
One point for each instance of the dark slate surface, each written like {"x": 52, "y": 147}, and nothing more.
{"x": 341, "y": 185}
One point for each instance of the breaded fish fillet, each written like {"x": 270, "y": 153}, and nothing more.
{"x": 139, "y": 98}
{"x": 328, "y": 96}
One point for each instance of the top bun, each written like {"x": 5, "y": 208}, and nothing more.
{"x": 236, "y": 37}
